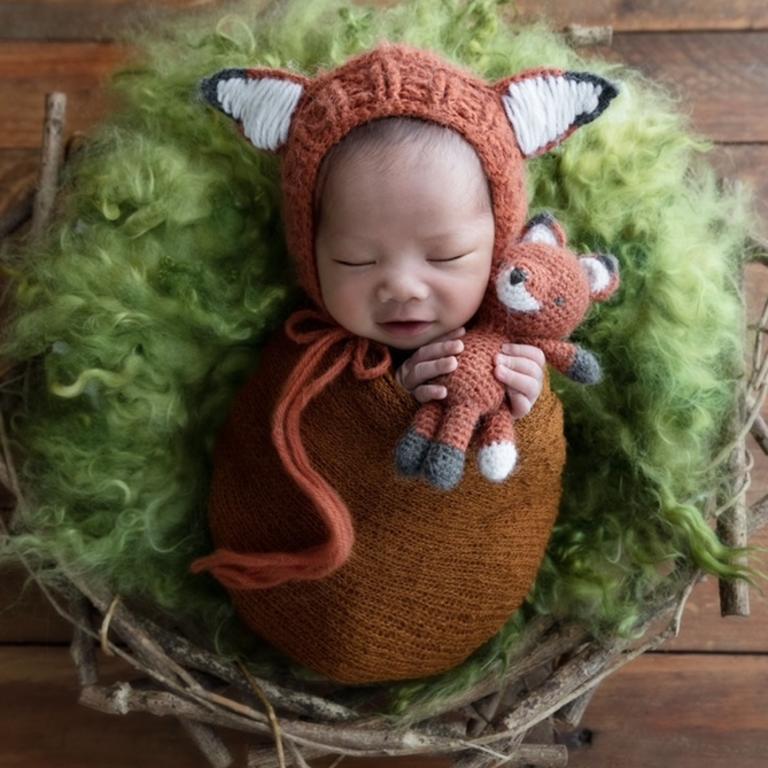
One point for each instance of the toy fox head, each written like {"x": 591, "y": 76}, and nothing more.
{"x": 542, "y": 289}
{"x": 506, "y": 122}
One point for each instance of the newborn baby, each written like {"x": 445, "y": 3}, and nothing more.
{"x": 403, "y": 186}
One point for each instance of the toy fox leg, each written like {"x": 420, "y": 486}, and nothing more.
{"x": 412, "y": 447}
{"x": 574, "y": 361}
{"x": 444, "y": 462}
{"x": 497, "y": 454}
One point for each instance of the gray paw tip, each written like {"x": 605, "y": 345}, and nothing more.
{"x": 586, "y": 369}
{"x": 444, "y": 466}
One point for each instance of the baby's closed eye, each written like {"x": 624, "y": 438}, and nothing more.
{"x": 442, "y": 260}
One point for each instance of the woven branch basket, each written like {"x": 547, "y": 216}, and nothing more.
{"x": 541, "y": 696}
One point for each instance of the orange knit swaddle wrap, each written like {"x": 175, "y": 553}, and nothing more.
{"x": 431, "y": 576}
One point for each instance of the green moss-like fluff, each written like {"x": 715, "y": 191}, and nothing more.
{"x": 147, "y": 302}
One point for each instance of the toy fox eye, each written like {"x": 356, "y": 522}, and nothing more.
{"x": 560, "y": 301}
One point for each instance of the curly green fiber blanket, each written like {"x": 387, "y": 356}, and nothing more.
{"x": 143, "y": 309}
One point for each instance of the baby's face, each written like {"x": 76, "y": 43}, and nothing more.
{"x": 404, "y": 251}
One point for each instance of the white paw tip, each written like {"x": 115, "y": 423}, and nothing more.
{"x": 497, "y": 460}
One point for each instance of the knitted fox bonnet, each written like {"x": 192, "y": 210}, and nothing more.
{"x": 301, "y": 118}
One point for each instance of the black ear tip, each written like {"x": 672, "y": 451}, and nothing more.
{"x": 611, "y": 90}
{"x": 208, "y": 91}
{"x": 608, "y": 92}
{"x": 209, "y": 86}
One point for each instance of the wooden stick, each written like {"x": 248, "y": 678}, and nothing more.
{"x": 266, "y": 757}
{"x": 485, "y": 710}
{"x": 141, "y": 643}
{"x": 758, "y": 515}
{"x": 212, "y": 747}
{"x": 510, "y": 753}
{"x": 296, "y": 754}
{"x": 186, "y": 654}
{"x": 732, "y": 523}
{"x": 759, "y": 431}
{"x": 581, "y": 36}
{"x": 52, "y": 156}
{"x": 570, "y": 714}
{"x": 82, "y": 648}
{"x": 270, "y": 710}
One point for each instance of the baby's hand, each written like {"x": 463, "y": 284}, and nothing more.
{"x": 520, "y": 368}
{"x": 431, "y": 360}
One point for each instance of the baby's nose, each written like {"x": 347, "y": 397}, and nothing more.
{"x": 402, "y": 288}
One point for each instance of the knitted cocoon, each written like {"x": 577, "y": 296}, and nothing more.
{"x": 432, "y": 575}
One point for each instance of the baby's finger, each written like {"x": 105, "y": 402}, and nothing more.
{"x": 528, "y": 386}
{"x": 437, "y": 349}
{"x": 521, "y": 365}
{"x": 525, "y": 350}
{"x": 427, "y": 392}
{"x": 429, "y": 369}
{"x": 519, "y": 405}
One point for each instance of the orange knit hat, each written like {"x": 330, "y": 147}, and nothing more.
{"x": 301, "y": 118}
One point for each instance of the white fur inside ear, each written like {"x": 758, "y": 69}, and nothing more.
{"x": 542, "y": 108}
{"x": 596, "y": 272}
{"x": 264, "y": 107}
{"x": 540, "y": 233}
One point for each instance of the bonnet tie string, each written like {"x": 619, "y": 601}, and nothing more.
{"x": 259, "y": 570}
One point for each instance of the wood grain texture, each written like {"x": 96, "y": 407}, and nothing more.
{"x": 18, "y": 179}
{"x": 42, "y": 723}
{"x": 681, "y": 710}
{"x": 106, "y": 19}
{"x": 686, "y": 711}
{"x": 721, "y": 79}
{"x": 30, "y": 70}
{"x": 87, "y": 19}
{"x": 651, "y": 15}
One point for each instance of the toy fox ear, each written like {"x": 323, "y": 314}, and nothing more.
{"x": 546, "y": 106}
{"x": 602, "y": 270}
{"x": 261, "y": 101}
{"x": 544, "y": 228}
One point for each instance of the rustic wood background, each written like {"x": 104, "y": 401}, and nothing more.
{"x": 703, "y": 699}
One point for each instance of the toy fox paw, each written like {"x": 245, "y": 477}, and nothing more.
{"x": 497, "y": 461}
{"x": 585, "y": 368}
{"x": 443, "y": 466}
{"x": 410, "y": 453}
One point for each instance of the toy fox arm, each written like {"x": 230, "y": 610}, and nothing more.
{"x": 570, "y": 359}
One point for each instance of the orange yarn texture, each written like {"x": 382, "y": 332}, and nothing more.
{"x": 431, "y": 576}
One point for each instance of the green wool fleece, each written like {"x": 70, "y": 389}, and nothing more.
{"x": 143, "y": 309}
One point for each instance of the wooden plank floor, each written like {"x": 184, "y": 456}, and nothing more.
{"x": 703, "y": 699}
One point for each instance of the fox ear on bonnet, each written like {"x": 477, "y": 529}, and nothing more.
{"x": 543, "y": 106}
{"x": 301, "y": 118}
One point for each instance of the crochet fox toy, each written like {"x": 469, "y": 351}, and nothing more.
{"x": 540, "y": 292}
